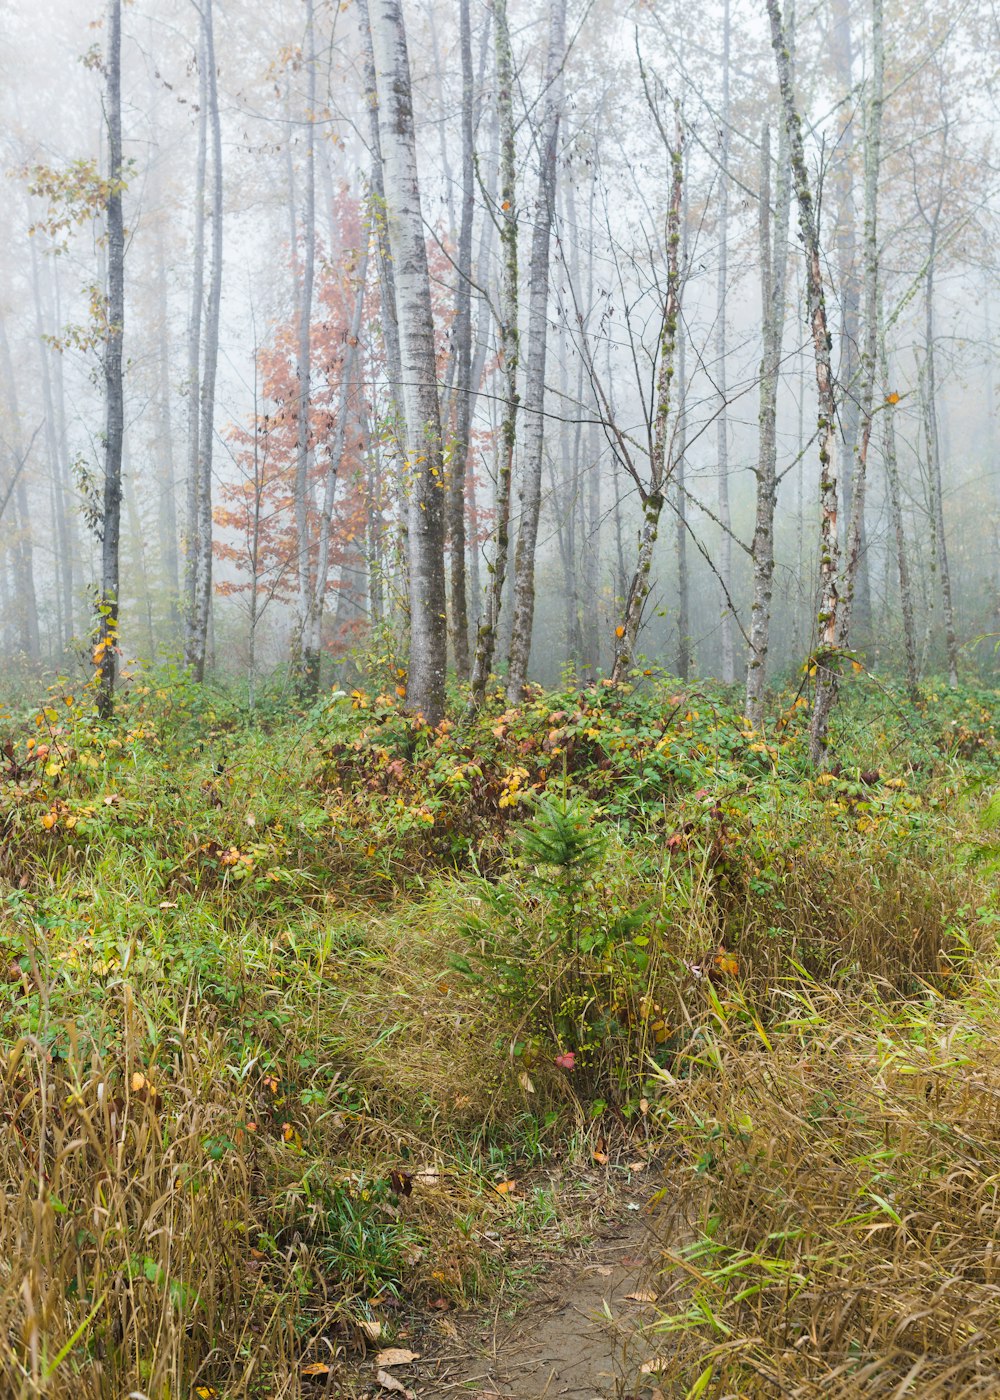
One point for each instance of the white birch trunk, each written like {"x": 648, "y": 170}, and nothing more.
{"x": 425, "y": 692}
{"x": 534, "y": 385}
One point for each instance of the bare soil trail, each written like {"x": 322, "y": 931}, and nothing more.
{"x": 582, "y": 1333}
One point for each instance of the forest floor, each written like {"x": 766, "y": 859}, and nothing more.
{"x": 324, "y": 1035}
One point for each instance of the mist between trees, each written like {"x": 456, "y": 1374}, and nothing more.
{"x": 500, "y": 337}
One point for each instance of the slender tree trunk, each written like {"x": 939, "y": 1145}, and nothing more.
{"x": 824, "y": 661}
{"x": 192, "y": 647}
{"x": 487, "y": 632}
{"x": 854, "y": 557}
{"x": 680, "y": 469}
{"x": 428, "y": 620}
{"x": 721, "y": 356}
{"x": 534, "y": 388}
{"x": 106, "y": 650}
{"x": 933, "y": 447}
{"x": 661, "y": 460}
{"x": 896, "y": 517}
{"x": 845, "y": 242}
{"x": 464, "y": 388}
{"x": 167, "y": 514}
{"x": 591, "y": 629}
{"x": 774, "y": 263}
{"x": 306, "y": 660}
{"x": 348, "y": 371}
{"x": 386, "y": 274}
{"x": 206, "y": 429}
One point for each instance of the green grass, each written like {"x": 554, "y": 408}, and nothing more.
{"x": 286, "y": 996}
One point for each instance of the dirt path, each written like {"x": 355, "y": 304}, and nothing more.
{"x": 580, "y": 1336}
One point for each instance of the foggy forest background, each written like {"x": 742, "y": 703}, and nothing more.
{"x": 264, "y": 483}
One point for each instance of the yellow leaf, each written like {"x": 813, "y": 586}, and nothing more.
{"x": 504, "y": 1188}
{"x": 619, "y": 631}
{"x": 138, "y": 1082}
{"x": 316, "y": 1368}
{"x": 892, "y": 398}
{"x": 726, "y": 963}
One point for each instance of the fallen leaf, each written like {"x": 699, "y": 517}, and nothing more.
{"x": 641, "y": 1295}
{"x": 396, "y": 1356}
{"x": 654, "y": 1366}
{"x": 316, "y": 1368}
{"x": 138, "y": 1082}
{"x": 372, "y": 1328}
{"x": 567, "y": 1060}
{"x": 390, "y": 1383}
{"x": 726, "y": 963}
{"x": 401, "y": 1182}
{"x": 524, "y": 1079}
{"x": 644, "y": 1106}
{"x": 505, "y": 1187}
{"x": 600, "y": 1157}
{"x": 637, "y": 1166}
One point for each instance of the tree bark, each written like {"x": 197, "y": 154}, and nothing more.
{"x": 823, "y": 662}
{"x": 106, "y": 649}
{"x": 487, "y": 631}
{"x": 721, "y": 355}
{"x": 425, "y": 692}
{"x": 336, "y": 456}
{"x": 167, "y": 514}
{"x": 661, "y": 457}
{"x": 534, "y": 385}
{"x": 206, "y": 428}
{"x": 896, "y": 516}
{"x": 306, "y": 660}
{"x": 191, "y": 524}
{"x": 774, "y": 263}
{"x": 928, "y": 395}
{"x": 464, "y": 388}
{"x": 845, "y": 242}
{"x": 854, "y": 556}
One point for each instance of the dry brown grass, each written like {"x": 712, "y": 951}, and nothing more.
{"x": 842, "y": 1221}
{"x": 217, "y": 1215}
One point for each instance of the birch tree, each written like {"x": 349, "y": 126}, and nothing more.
{"x": 425, "y": 691}
{"x": 720, "y": 374}
{"x": 824, "y": 661}
{"x": 206, "y": 428}
{"x": 307, "y": 648}
{"x": 106, "y": 648}
{"x": 774, "y": 263}
{"x": 652, "y": 490}
{"x": 509, "y": 354}
{"x": 530, "y": 497}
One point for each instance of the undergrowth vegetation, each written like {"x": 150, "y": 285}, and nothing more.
{"x": 292, "y": 1003}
